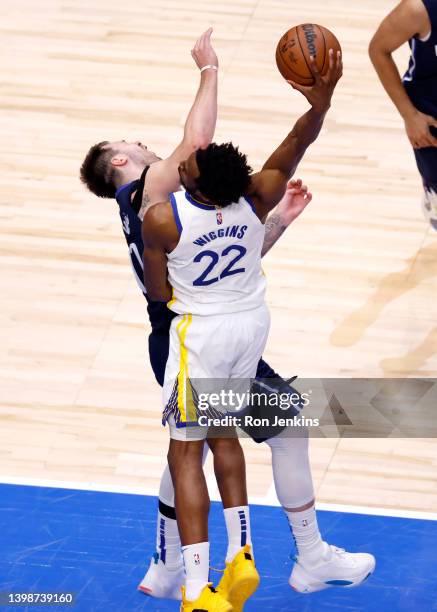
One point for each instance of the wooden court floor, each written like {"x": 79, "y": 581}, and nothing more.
{"x": 352, "y": 284}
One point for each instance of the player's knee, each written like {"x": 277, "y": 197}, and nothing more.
{"x": 184, "y": 455}
{"x": 227, "y": 453}
{"x": 224, "y": 445}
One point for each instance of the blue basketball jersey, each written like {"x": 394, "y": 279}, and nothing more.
{"x": 160, "y": 316}
{"x": 420, "y": 80}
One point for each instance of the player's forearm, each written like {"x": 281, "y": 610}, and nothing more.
{"x": 202, "y": 118}
{"x": 277, "y": 222}
{"x": 305, "y": 131}
{"x": 390, "y": 78}
{"x": 275, "y": 227}
{"x": 155, "y": 275}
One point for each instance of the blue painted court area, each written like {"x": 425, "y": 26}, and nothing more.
{"x": 98, "y": 545}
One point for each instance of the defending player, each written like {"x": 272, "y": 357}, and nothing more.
{"x": 415, "y": 96}
{"x": 109, "y": 170}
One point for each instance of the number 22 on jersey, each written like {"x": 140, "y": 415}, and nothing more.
{"x": 230, "y": 256}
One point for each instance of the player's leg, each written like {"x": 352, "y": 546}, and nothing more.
{"x": 318, "y": 564}
{"x": 230, "y": 473}
{"x": 192, "y": 509}
{"x": 426, "y": 160}
{"x": 166, "y": 573}
{"x": 240, "y": 579}
{"x": 188, "y": 360}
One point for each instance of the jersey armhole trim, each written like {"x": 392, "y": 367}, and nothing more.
{"x": 249, "y": 201}
{"x": 251, "y": 204}
{"x": 176, "y": 213}
{"x": 425, "y": 38}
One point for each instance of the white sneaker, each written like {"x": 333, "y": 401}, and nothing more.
{"x": 335, "y": 568}
{"x": 429, "y": 207}
{"x": 162, "y": 582}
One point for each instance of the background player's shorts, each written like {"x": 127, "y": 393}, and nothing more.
{"x": 211, "y": 348}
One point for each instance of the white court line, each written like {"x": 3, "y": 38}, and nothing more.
{"x": 268, "y": 500}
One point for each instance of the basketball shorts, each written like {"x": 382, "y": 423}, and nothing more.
{"x": 204, "y": 351}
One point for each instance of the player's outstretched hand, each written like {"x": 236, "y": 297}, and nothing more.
{"x": 417, "y": 127}
{"x": 319, "y": 95}
{"x": 295, "y": 200}
{"x": 203, "y": 52}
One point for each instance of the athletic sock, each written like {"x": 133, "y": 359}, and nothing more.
{"x": 168, "y": 543}
{"x": 238, "y": 528}
{"x": 196, "y": 561}
{"x": 306, "y": 534}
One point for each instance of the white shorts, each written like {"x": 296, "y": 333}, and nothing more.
{"x": 213, "y": 347}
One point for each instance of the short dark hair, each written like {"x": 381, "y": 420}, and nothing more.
{"x": 224, "y": 173}
{"x": 97, "y": 172}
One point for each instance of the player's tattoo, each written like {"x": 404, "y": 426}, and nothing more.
{"x": 144, "y": 205}
{"x": 275, "y": 227}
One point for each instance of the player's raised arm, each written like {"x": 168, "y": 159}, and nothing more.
{"x": 407, "y": 20}
{"x": 160, "y": 236}
{"x": 200, "y": 124}
{"x": 269, "y": 185}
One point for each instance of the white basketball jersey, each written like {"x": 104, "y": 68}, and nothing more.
{"x": 216, "y": 266}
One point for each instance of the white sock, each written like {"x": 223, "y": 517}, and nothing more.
{"x": 238, "y": 528}
{"x": 168, "y": 543}
{"x": 306, "y": 534}
{"x": 196, "y": 561}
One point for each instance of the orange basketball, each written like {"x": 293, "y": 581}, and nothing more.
{"x": 297, "y": 45}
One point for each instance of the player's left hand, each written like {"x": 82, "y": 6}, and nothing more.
{"x": 203, "y": 52}
{"x": 296, "y": 199}
{"x": 319, "y": 95}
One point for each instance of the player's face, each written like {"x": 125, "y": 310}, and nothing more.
{"x": 189, "y": 172}
{"x": 135, "y": 151}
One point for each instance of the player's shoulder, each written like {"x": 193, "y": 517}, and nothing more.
{"x": 413, "y": 14}
{"x": 159, "y": 226}
{"x": 261, "y": 181}
{"x": 413, "y": 9}
{"x": 162, "y": 178}
{"x": 158, "y": 214}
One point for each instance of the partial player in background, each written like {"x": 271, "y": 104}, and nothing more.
{"x": 415, "y": 95}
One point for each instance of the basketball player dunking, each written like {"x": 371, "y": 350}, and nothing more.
{"x": 121, "y": 170}
{"x": 415, "y": 96}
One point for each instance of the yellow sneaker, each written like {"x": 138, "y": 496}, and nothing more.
{"x": 209, "y": 600}
{"x": 240, "y": 579}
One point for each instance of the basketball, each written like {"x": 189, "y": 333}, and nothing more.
{"x": 297, "y": 45}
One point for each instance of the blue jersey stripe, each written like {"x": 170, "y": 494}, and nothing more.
{"x": 176, "y": 212}
{"x": 250, "y": 202}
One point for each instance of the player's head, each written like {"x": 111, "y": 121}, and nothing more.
{"x": 219, "y": 173}
{"x": 108, "y": 165}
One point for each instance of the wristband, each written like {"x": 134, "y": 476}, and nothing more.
{"x": 209, "y": 66}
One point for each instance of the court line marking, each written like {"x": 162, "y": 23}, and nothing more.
{"x": 267, "y": 500}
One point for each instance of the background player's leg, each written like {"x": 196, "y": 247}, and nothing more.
{"x": 318, "y": 565}
{"x": 426, "y": 160}
{"x": 294, "y": 489}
